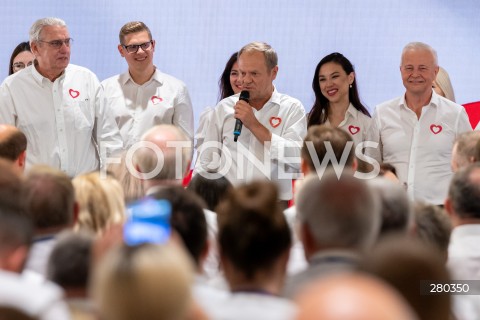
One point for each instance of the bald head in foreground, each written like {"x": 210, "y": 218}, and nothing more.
{"x": 352, "y": 296}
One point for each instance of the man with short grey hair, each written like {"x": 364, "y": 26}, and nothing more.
{"x": 415, "y": 132}
{"x": 57, "y": 105}
{"x": 337, "y": 217}
{"x": 274, "y": 125}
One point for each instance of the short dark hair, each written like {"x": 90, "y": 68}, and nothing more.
{"x": 212, "y": 191}
{"x": 187, "y": 219}
{"x": 69, "y": 262}
{"x": 15, "y": 229}
{"x": 464, "y": 193}
{"x": 13, "y": 146}
{"x": 11, "y": 188}
{"x": 252, "y": 230}
{"x": 322, "y": 135}
{"x": 49, "y": 197}
{"x": 433, "y": 226}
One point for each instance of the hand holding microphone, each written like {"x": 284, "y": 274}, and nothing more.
{"x": 245, "y": 96}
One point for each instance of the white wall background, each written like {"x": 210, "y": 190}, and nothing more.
{"x": 195, "y": 38}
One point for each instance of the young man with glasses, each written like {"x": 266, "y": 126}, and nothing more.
{"x": 57, "y": 106}
{"x": 143, "y": 96}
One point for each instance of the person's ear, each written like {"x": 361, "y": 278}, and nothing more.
{"x": 121, "y": 50}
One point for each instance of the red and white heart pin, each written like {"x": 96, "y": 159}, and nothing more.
{"x": 74, "y": 93}
{"x": 436, "y": 129}
{"x": 353, "y": 130}
{"x": 156, "y": 99}
{"x": 275, "y": 121}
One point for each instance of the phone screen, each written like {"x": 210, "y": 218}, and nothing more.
{"x": 148, "y": 221}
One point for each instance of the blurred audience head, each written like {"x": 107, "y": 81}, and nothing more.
{"x": 13, "y": 145}
{"x": 100, "y": 202}
{"x": 319, "y": 143}
{"x": 409, "y": 265}
{"x": 212, "y": 191}
{"x": 132, "y": 186}
{"x": 164, "y": 157}
{"x": 69, "y": 263}
{"x": 396, "y": 209}
{"x": 143, "y": 282}
{"x": 433, "y": 226}
{"x": 352, "y": 296}
{"x": 188, "y": 220}
{"x": 253, "y": 235}
{"x": 50, "y": 199}
{"x": 465, "y": 150}
{"x": 463, "y": 200}
{"x": 337, "y": 213}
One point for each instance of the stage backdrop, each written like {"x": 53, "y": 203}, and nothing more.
{"x": 195, "y": 38}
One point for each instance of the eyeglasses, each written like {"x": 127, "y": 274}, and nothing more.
{"x": 20, "y": 65}
{"x": 57, "y": 44}
{"x": 133, "y": 48}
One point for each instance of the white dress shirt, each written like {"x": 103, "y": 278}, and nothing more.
{"x": 64, "y": 121}
{"x": 419, "y": 148}
{"x": 203, "y": 124}
{"x": 136, "y": 108}
{"x": 248, "y": 159}
{"x": 355, "y": 123}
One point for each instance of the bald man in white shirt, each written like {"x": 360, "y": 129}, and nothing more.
{"x": 416, "y": 132}
{"x": 143, "y": 96}
{"x": 274, "y": 125}
{"x": 57, "y": 106}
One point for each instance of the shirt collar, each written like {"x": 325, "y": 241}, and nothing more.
{"x": 41, "y": 79}
{"x": 434, "y": 100}
{"x": 157, "y": 76}
{"x": 352, "y": 111}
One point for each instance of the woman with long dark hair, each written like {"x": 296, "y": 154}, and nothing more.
{"x": 337, "y": 102}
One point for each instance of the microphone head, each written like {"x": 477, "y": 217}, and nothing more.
{"x": 245, "y": 95}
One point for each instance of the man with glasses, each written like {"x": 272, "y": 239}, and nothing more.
{"x": 143, "y": 96}
{"x": 57, "y": 106}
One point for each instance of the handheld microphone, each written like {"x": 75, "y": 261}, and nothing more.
{"x": 245, "y": 96}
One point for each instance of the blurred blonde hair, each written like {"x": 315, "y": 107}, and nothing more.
{"x": 443, "y": 81}
{"x": 132, "y": 186}
{"x": 144, "y": 282}
{"x": 100, "y": 201}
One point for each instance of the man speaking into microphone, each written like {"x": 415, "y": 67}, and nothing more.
{"x": 258, "y": 133}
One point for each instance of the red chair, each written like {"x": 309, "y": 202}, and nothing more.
{"x": 473, "y": 111}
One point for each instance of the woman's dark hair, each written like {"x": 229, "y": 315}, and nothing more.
{"x": 212, "y": 191}
{"x": 319, "y": 112}
{"x": 252, "y": 230}
{"x": 22, "y": 46}
{"x": 226, "y": 89}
